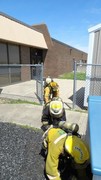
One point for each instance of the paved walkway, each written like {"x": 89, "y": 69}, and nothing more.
{"x": 27, "y": 90}
{"x": 24, "y": 91}
{"x": 28, "y": 114}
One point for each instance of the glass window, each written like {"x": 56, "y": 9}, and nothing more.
{"x": 3, "y": 53}
{"x": 36, "y": 56}
{"x": 14, "y": 56}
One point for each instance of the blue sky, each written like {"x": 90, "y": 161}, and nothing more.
{"x": 67, "y": 21}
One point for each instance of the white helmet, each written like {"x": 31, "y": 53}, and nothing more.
{"x": 56, "y": 108}
{"x": 48, "y": 80}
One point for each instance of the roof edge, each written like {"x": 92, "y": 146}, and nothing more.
{"x": 94, "y": 28}
{"x": 67, "y": 45}
{"x": 18, "y": 21}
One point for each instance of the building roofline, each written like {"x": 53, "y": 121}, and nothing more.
{"x": 39, "y": 30}
{"x": 94, "y": 28}
{"x": 33, "y": 28}
{"x": 18, "y": 21}
{"x": 36, "y": 38}
{"x": 67, "y": 45}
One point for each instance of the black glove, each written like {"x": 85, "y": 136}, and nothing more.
{"x": 43, "y": 152}
{"x": 44, "y": 127}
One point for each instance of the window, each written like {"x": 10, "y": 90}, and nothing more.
{"x": 36, "y": 56}
{"x": 3, "y": 53}
{"x": 13, "y": 51}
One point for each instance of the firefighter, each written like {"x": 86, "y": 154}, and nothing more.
{"x": 58, "y": 142}
{"x": 53, "y": 113}
{"x": 51, "y": 90}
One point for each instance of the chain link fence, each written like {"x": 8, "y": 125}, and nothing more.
{"x": 87, "y": 81}
{"x": 38, "y": 75}
{"x": 15, "y": 73}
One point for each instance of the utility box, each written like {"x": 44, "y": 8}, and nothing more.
{"x": 94, "y": 119}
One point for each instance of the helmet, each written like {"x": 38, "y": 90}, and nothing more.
{"x": 56, "y": 108}
{"x": 54, "y": 86}
{"x": 48, "y": 80}
{"x": 77, "y": 149}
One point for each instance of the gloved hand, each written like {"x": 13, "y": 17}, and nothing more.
{"x": 43, "y": 152}
{"x": 44, "y": 127}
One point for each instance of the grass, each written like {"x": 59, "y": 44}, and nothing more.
{"x": 26, "y": 127}
{"x": 79, "y": 76}
{"x": 17, "y": 101}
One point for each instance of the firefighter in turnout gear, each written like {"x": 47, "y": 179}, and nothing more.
{"x": 59, "y": 142}
{"x": 53, "y": 113}
{"x": 51, "y": 90}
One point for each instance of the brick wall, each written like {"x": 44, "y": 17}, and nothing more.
{"x": 25, "y": 73}
{"x": 25, "y": 59}
{"x": 25, "y": 55}
{"x": 59, "y": 58}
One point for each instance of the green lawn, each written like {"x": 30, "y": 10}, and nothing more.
{"x": 16, "y": 101}
{"x": 79, "y": 76}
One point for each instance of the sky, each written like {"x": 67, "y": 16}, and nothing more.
{"x": 67, "y": 20}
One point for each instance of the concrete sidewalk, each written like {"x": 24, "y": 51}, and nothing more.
{"x": 23, "y": 90}
{"x": 27, "y": 91}
{"x": 28, "y": 114}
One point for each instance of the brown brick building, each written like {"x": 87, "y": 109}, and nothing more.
{"x": 23, "y": 44}
{"x": 59, "y": 57}
{"x": 20, "y": 45}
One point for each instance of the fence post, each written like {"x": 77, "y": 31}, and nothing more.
{"x": 74, "y": 86}
{"x": 9, "y": 74}
{"x": 41, "y": 83}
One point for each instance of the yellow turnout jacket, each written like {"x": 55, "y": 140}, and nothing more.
{"x": 55, "y": 139}
{"x": 58, "y": 141}
{"x": 50, "y": 91}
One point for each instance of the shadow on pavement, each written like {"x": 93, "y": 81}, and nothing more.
{"x": 79, "y": 98}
